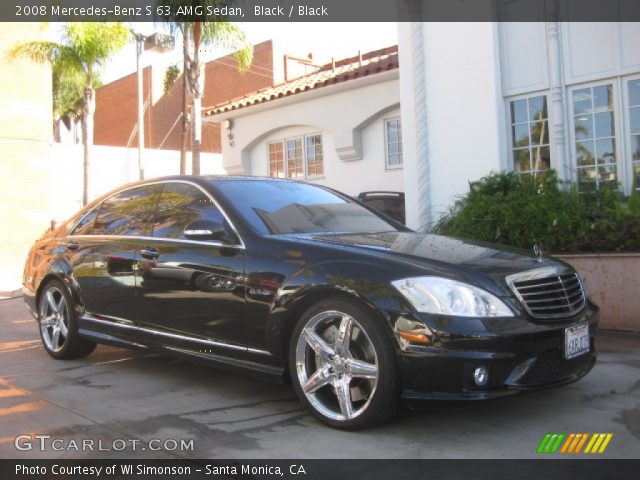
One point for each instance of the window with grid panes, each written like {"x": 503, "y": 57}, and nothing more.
{"x": 634, "y": 128}
{"x": 297, "y": 157}
{"x": 594, "y": 136}
{"x": 530, "y": 135}
{"x": 393, "y": 143}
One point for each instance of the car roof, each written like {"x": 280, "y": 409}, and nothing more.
{"x": 217, "y": 178}
{"x": 205, "y": 181}
{"x": 208, "y": 181}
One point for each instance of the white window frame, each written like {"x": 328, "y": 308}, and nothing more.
{"x": 628, "y": 146}
{"x": 304, "y": 158}
{"x": 286, "y": 160}
{"x": 509, "y": 134}
{"x": 283, "y": 142}
{"x": 284, "y": 157}
{"x": 619, "y": 125}
{"x": 387, "y": 166}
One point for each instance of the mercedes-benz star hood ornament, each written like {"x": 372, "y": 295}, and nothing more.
{"x": 537, "y": 252}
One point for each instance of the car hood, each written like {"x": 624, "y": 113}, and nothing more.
{"x": 442, "y": 255}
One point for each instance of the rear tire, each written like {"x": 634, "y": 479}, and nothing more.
{"x": 343, "y": 365}
{"x": 58, "y": 324}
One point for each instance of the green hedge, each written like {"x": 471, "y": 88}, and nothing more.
{"x": 522, "y": 210}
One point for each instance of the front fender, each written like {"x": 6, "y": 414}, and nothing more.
{"x": 58, "y": 267}
{"x": 366, "y": 283}
{"x": 364, "y": 280}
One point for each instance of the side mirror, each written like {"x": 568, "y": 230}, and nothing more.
{"x": 204, "y": 230}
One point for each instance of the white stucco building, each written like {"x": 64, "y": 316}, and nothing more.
{"x": 339, "y": 126}
{"x": 476, "y": 97}
{"x": 527, "y": 97}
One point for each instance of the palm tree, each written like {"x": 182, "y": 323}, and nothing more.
{"x": 84, "y": 49}
{"x": 195, "y": 34}
{"x": 67, "y": 87}
{"x": 68, "y": 92}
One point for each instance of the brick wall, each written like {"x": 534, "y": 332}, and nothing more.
{"x": 223, "y": 82}
{"x": 117, "y": 111}
{"x": 116, "y": 102}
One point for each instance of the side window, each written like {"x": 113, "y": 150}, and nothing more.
{"x": 85, "y": 226}
{"x": 180, "y": 204}
{"x": 128, "y": 213}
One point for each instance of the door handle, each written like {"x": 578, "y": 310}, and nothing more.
{"x": 149, "y": 253}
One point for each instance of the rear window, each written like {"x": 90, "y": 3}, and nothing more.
{"x": 278, "y": 207}
{"x": 85, "y": 226}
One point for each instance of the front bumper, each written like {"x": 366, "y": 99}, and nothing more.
{"x": 519, "y": 353}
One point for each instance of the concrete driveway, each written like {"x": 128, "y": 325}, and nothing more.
{"x": 119, "y": 397}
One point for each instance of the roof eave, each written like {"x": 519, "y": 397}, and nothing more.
{"x": 351, "y": 84}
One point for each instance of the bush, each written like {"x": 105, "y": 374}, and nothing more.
{"x": 521, "y": 210}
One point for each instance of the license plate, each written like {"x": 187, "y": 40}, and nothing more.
{"x": 576, "y": 341}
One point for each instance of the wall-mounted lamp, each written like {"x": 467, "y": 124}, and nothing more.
{"x": 228, "y": 124}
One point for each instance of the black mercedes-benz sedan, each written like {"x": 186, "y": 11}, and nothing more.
{"x": 301, "y": 283}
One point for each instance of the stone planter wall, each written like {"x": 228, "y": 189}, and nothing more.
{"x": 613, "y": 283}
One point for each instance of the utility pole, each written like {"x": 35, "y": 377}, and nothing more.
{"x": 157, "y": 42}
{"x": 139, "y": 46}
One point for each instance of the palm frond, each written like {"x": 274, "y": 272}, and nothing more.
{"x": 95, "y": 42}
{"x": 68, "y": 90}
{"x": 226, "y": 35}
{"x": 40, "y": 52}
{"x": 60, "y": 55}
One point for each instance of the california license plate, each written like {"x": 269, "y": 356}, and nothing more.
{"x": 576, "y": 341}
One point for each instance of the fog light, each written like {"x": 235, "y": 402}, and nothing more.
{"x": 481, "y": 376}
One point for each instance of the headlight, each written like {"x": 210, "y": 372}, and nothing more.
{"x": 442, "y": 296}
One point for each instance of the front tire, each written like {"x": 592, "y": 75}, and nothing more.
{"x": 343, "y": 365}
{"x": 59, "y": 325}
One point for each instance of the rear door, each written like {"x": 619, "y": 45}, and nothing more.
{"x": 103, "y": 251}
{"x": 192, "y": 290}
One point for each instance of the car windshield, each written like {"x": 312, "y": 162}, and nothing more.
{"x": 278, "y": 207}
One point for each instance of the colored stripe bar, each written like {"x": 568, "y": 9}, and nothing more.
{"x": 598, "y": 442}
{"x": 543, "y": 443}
{"x": 573, "y": 443}
{"x": 557, "y": 443}
{"x": 576, "y": 439}
{"x": 550, "y": 443}
{"x": 605, "y": 443}
{"x": 565, "y": 447}
{"x": 581, "y": 443}
{"x": 594, "y": 437}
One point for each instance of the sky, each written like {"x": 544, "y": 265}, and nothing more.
{"x": 340, "y": 39}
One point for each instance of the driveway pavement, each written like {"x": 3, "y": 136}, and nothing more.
{"x": 134, "y": 397}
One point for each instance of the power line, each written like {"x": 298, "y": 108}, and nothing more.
{"x": 270, "y": 77}
{"x": 170, "y": 130}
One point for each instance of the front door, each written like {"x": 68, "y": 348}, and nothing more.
{"x": 191, "y": 289}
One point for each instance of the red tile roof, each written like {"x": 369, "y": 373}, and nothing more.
{"x": 370, "y": 63}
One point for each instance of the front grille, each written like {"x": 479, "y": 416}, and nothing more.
{"x": 549, "y": 292}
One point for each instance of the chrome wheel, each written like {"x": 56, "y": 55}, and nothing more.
{"x": 54, "y": 319}
{"x": 337, "y": 365}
